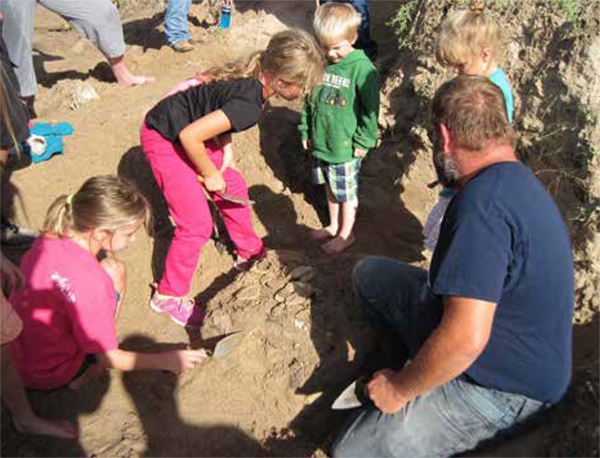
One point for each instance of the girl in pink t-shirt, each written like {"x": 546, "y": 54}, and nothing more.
{"x": 70, "y": 299}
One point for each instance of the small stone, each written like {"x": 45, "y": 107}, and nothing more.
{"x": 80, "y": 46}
{"x": 222, "y": 323}
{"x": 294, "y": 300}
{"x": 276, "y": 283}
{"x": 300, "y": 325}
{"x": 249, "y": 293}
{"x": 303, "y": 289}
{"x": 277, "y": 310}
{"x": 82, "y": 94}
{"x": 262, "y": 267}
{"x": 304, "y": 273}
{"x": 286, "y": 290}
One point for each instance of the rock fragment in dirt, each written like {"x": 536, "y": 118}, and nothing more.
{"x": 80, "y": 46}
{"x": 220, "y": 322}
{"x": 284, "y": 292}
{"x": 303, "y": 289}
{"x": 294, "y": 300}
{"x": 275, "y": 283}
{"x": 277, "y": 311}
{"x": 248, "y": 293}
{"x": 262, "y": 267}
{"x": 303, "y": 273}
{"x": 81, "y": 94}
{"x": 300, "y": 325}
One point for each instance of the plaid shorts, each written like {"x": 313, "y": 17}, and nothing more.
{"x": 342, "y": 178}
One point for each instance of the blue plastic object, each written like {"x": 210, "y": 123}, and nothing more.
{"x": 225, "y": 17}
{"x": 53, "y": 134}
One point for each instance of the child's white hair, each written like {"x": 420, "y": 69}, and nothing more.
{"x": 335, "y": 22}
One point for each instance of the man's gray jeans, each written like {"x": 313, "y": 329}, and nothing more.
{"x": 453, "y": 418}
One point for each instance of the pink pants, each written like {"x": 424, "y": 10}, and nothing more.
{"x": 186, "y": 198}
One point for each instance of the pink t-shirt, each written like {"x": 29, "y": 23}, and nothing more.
{"x": 68, "y": 310}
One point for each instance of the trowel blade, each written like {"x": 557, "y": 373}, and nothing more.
{"x": 348, "y": 399}
{"x": 226, "y": 344}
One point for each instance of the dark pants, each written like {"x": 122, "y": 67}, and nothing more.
{"x": 364, "y": 42}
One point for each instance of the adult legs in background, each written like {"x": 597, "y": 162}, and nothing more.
{"x": 176, "y": 24}
{"x": 99, "y": 21}
{"x": 17, "y": 31}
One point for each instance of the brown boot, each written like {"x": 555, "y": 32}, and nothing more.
{"x": 182, "y": 46}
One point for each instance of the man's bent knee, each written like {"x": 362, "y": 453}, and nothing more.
{"x": 365, "y": 273}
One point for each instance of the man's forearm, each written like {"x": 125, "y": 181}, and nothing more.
{"x": 442, "y": 358}
{"x": 450, "y": 350}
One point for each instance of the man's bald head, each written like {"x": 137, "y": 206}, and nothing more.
{"x": 473, "y": 110}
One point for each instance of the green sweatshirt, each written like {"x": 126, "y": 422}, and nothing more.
{"x": 341, "y": 113}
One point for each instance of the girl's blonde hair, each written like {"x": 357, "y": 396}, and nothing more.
{"x": 103, "y": 202}
{"x": 464, "y": 35}
{"x": 335, "y": 22}
{"x": 291, "y": 55}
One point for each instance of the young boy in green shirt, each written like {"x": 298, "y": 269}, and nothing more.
{"x": 339, "y": 121}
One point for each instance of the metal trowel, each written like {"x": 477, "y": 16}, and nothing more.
{"x": 353, "y": 396}
{"x": 230, "y": 197}
{"x": 226, "y": 344}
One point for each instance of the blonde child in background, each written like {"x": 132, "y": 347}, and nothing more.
{"x": 471, "y": 42}
{"x": 339, "y": 121}
{"x": 178, "y": 138}
{"x": 69, "y": 299}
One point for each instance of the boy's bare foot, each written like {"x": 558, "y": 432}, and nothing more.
{"x": 338, "y": 244}
{"x": 323, "y": 233}
{"x": 37, "y": 425}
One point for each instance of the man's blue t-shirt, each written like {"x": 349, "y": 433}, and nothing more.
{"x": 503, "y": 240}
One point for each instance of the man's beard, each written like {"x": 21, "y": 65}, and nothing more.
{"x": 446, "y": 169}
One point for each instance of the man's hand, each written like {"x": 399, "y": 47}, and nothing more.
{"x": 384, "y": 393}
{"x": 306, "y": 145}
{"x": 360, "y": 152}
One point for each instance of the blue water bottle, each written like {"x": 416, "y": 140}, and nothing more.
{"x": 225, "y": 17}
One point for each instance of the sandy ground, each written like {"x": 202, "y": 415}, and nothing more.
{"x": 305, "y": 339}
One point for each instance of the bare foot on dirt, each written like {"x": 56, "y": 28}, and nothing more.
{"x": 134, "y": 80}
{"x": 55, "y": 428}
{"x": 323, "y": 233}
{"x": 338, "y": 244}
{"x": 124, "y": 76}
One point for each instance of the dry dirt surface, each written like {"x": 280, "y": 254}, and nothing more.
{"x": 304, "y": 337}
